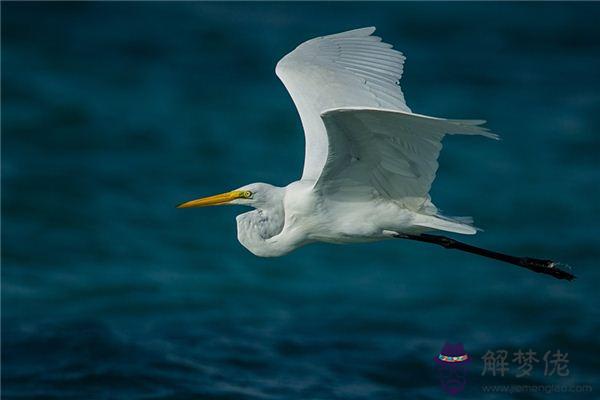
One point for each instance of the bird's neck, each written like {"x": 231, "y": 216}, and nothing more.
{"x": 258, "y": 230}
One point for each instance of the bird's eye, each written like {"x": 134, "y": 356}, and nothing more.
{"x": 247, "y": 194}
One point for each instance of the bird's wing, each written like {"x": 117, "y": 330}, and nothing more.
{"x": 385, "y": 153}
{"x": 343, "y": 70}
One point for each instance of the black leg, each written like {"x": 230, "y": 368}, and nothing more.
{"x": 547, "y": 267}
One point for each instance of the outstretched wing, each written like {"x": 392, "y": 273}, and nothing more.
{"x": 385, "y": 153}
{"x": 343, "y": 70}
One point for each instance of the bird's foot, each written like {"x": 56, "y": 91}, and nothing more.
{"x": 548, "y": 267}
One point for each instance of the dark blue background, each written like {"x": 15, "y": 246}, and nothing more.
{"x": 112, "y": 113}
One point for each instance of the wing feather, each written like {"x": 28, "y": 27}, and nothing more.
{"x": 386, "y": 153}
{"x": 348, "y": 69}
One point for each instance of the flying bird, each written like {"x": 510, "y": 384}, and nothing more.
{"x": 369, "y": 160}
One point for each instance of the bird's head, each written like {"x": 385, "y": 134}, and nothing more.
{"x": 253, "y": 195}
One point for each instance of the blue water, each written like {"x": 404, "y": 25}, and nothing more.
{"x": 112, "y": 113}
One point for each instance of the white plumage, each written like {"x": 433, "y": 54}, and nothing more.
{"x": 349, "y": 69}
{"x": 369, "y": 161}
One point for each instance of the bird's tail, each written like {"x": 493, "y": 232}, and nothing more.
{"x": 463, "y": 225}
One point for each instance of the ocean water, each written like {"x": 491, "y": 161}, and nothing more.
{"x": 113, "y": 113}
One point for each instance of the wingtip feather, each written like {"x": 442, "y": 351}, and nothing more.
{"x": 358, "y": 32}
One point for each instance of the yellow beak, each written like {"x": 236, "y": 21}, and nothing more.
{"x": 216, "y": 200}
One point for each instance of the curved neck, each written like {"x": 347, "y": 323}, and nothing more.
{"x": 257, "y": 228}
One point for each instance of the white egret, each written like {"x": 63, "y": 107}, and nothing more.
{"x": 369, "y": 160}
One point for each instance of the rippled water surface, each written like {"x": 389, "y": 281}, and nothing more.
{"x": 112, "y": 113}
